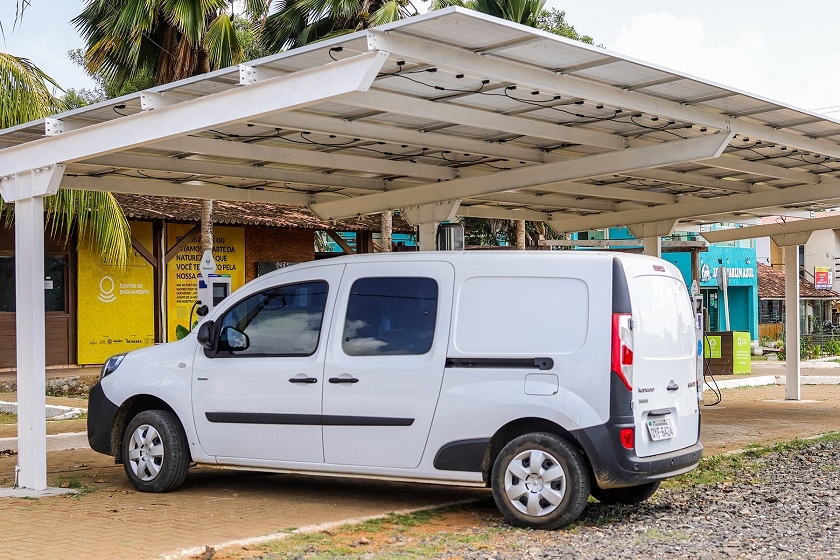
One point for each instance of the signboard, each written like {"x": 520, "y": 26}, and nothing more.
{"x": 741, "y": 348}
{"x": 822, "y": 277}
{"x": 182, "y": 271}
{"x": 711, "y": 346}
{"x": 116, "y": 308}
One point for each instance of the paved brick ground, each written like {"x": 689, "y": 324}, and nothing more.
{"x": 111, "y": 520}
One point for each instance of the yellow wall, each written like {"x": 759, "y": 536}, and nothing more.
{"x": 182, "y": 270}
{"x": 116, "y": 308}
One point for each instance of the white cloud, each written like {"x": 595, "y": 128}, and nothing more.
{"x": 681, "y": 43}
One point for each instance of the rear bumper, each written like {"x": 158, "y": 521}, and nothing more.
{"x": 614, "y": 466}
{"x": 100, "y": 422}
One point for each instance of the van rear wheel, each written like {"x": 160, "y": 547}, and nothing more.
{"x": 540, "y": 481}
{"x": 154, "y": 451}
{"x": 627, "y": 496}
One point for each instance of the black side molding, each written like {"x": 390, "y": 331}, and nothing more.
{"x": 304, "y": 419}
{"x": 501, "y": 363}
{"x": 464, "y": 455}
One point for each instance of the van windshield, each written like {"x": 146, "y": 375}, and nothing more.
{"x": 663, "y": 325}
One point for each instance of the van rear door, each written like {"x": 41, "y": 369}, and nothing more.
{"x": 665, "y": 406}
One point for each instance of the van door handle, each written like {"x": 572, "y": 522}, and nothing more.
{"x": 303, "y": 380}
{"x": 672, "y": 386}
{"x": 343, "y": 380}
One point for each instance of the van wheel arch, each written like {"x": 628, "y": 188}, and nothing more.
{"x": 517, "y": 428}
{"x": 129, "y": 409}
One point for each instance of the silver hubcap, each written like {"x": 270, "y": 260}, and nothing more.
{"x": 145, "y": 452}
{"x": 535, "y": 483}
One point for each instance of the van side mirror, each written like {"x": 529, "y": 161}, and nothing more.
{"x": 233, "y": 340}
{"x": 205, "y": 334}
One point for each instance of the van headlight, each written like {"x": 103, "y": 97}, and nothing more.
{"x": 111, "y": 364}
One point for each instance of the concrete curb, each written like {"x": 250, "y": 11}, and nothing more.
{"x": 57, "y": 442}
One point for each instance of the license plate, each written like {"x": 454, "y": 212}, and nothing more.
{"x": 660, "y": 429}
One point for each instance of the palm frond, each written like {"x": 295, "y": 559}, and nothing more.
{"x": 99, "y": 219}
{"x": 25, "y": 92}
{"x": 222, "y": 43}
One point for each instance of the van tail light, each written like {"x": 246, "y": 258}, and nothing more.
{"x": 622, "y": 348}
{"x": 627, "y": 437}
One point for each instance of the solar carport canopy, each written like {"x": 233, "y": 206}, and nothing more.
{"x": 449, "y": 113}
{"x": 452, "y": 111}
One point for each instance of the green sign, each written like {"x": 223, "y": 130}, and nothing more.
{"x": 711, "y": 346}
{"x": 741, "y": 347}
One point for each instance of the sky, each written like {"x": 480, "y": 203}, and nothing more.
{"x": 782, "y": 50}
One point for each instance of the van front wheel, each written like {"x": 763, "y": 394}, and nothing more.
{"x": 540, "y": 481}
{"x": 154, "y": 451}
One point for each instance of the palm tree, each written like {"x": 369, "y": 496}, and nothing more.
{"x": 300, "y": 22}
{"x": 25, "y": 96}
{"x": 171, "y": 39}
{"x": 526, "y": 12}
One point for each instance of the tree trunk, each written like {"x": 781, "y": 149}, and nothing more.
{"x": 206, "y": 225}
{"x": 520, "y": 235}
{"x": 387, "y": 224}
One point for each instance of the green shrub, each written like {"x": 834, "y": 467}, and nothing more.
{"x": 832, "y": 347}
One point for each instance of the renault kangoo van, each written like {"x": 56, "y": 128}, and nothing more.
{"x": 544, "y": 375}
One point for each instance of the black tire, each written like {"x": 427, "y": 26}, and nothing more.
{"x": 627, "y": 496}
{"x": 154, "y": 451}
{"x": 567, "y": 482}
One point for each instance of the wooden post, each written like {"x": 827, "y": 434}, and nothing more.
{"x": 387, "y": 229}
{"x": 520, "y": 235}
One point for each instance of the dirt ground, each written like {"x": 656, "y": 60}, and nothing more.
{"x": 109, "y": 519}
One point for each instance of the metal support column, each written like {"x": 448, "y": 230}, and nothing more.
{"x": 31, "y": 345}
{"x": 793, "y": 391}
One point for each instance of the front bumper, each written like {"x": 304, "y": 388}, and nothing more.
{"x": 100, "y": 422}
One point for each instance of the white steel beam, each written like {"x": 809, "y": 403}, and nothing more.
{"x": 191, "y": 190}
{"x": 427, "y": 217}
{"x": 661, "y": 228}
{"x": 501, "y": 213}
{"x": 652, "y": 156}
{"x": 43, "y": 181}
{"x": 450, "y": 113}
{"x": 744, "y": 166}
{"x": 259, "y": 173}
{"x": 546, "y": 200}
{"x": 792, "y": 226}
{"x": 691, "y": 180}
{"x": 386, "y": 133}
{"x": 488, "y": 66}
{"x": 611, "y": 192}
{"x": 702, "y": 207}
{"x": 793, "y": 390}
{"x": 309, "y": 158}
{"x": 235, "y": 105}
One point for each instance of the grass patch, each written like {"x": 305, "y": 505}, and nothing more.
{"x": 8, "y": 418}
{"x": 738, "y": 466}
{"x": 75, "y": 483}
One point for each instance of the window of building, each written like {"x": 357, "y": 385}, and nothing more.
{"x": 770, "y": 311}
{"x": 55, "y": 297}
{"x": 390, "y": 316}
{"x": 282, "y": 321}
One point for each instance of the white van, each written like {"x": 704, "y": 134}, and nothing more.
{"x": 546, "y": 375}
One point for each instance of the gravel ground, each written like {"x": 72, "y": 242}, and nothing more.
{"x": 789, "y": 508}
{"x": 784, "y": 504}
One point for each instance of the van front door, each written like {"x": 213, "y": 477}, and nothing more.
{"x": 385, "y": 362}
{"x": 264, "y": 402}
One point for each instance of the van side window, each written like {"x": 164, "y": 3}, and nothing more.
{"x": 282, "y": 321}
{"x": 390, "y": 316}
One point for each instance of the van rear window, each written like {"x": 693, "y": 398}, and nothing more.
{"x": 663, "y": 325}
{"x": 390, "y": 316}
{"x": 521, "y": 316}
